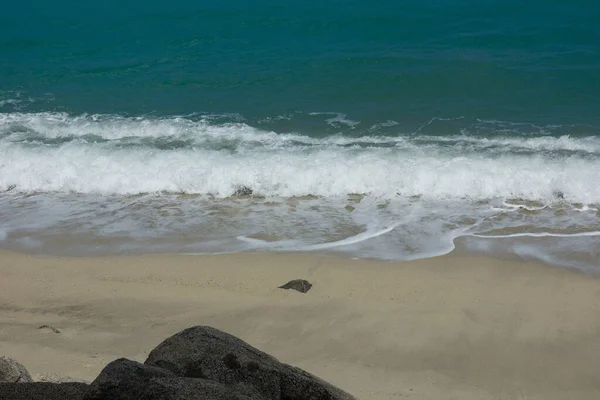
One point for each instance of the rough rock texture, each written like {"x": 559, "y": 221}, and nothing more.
{"x": 13, "y": 372}
{"x": 53, "y": 377}
{"x": 122, "y": 377}
{"x": 297, "y": 284}
{"x": 207, "y": 353}
{"x": 42, "y": 391}
{"x": 243, "y": 191}
{"x": 124, "y": 380}
{"x": 199, "y": 363}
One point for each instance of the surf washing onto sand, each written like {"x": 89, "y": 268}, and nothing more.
{"x": 394, "y": 132}
{"x": 109, "y": 184}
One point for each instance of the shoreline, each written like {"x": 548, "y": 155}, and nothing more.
{"x": 452, "y": 326}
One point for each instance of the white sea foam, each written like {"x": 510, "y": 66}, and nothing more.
{"x": 217, "y": 159}
{"x": 539, "y": 235}
{"x": 292, "y": 245}
{"x": 85, "y": 168}
{"x": 420, "y": 191}
{"x": 338, "y": 119}
{"x": 17, "y": 100}
{"x": 590, "y": 145}
{"x": 9, "y": 102}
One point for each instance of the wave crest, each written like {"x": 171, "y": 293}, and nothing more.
{"x": 106, "y": 154}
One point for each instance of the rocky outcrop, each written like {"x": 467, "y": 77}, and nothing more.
{"x": 53, "y": 377}
{"x": 13, "y": 372}
{"x": 199, "y": 363}
{"x": 243, "y": 191}
{"x": 207, "y": 353}
{"x": 43, "y": 391}
{"x": 124, "y": 379}
{"x": 297, "y": 284}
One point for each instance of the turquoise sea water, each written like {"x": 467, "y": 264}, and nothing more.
{"x": 383, "y": 129}
{"x": 531, "y": 62}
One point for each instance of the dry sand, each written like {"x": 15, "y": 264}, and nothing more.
{"x": 444, "y": 328}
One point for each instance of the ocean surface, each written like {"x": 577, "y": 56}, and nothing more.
{"x": 386, "y": 129}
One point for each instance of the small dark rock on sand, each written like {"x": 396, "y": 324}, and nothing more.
{"x": 50, "y": 328}
{"x": 297, "y": 284}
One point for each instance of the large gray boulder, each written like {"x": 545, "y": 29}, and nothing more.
{"x": 13, "y": 372}
{"x": 125, "y": 379}
{"x": 43, "y": 391}
{"x": 209, "y": 354}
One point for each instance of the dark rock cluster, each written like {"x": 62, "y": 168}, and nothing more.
{"x": 198, "y": 363}
{"x": 43, "y": 391}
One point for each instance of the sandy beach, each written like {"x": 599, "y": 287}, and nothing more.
{"x": 444, "y": 328}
